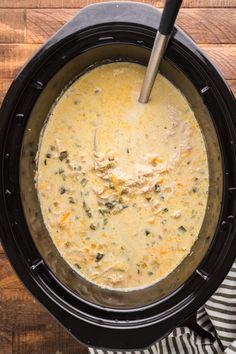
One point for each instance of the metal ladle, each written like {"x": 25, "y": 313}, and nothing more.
{"x": 163, "y": 35}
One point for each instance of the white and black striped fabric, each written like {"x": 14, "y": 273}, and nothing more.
{"x": 217, "y": 318}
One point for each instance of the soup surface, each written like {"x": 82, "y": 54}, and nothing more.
{"x": 122, "y": 185}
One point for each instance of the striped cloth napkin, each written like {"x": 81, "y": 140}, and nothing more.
{"x": 217, "y": 318}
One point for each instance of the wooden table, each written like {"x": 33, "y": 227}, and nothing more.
{"x": 25, "y": 326}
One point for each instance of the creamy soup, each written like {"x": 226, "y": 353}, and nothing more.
{"x": 122, "y": 185}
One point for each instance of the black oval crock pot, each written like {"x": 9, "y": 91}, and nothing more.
{"x": 100, "y": 317}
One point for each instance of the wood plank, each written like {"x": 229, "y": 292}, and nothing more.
{"x": 209, "y": 26}
{"x": 12, "y": 57}
{"x": 4, "y": 86}
{"x": 201, "y": 24}
{"x": 41, "y": 24}
{"x": 232, "y": 85}
{"x": 5, "y": 340}
{"x": 208, "y": 3}
{"x": 224, "y": 57}
{"x": 82, "y": 3}
{"x": 8, "y": 278}
{"x": 44, "y": 340}
{"x": 12, "y": 25}
{"x": 33, "y": 330}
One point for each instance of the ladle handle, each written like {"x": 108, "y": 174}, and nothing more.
{"x": 163, "y": 35}
{"x": 169, "y": 15}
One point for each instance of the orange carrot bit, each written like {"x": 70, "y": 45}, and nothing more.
{"x": 42, "y": 186}
{"x": 82, "y": 221}
{"x": 155, "y": 160}
{"x": 115, "y": 181}
{"x": 65, "y": 216}
{"x": 186, "y": 152}
{"x": 160, "y": 181}
{"x": 151, "y": 220}
{"x": 194, "y": 126}
{"x": 163, "y": 252}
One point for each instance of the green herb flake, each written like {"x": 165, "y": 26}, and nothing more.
{"x": 103, "y": 211}
{"x": 157, "y": 188}
{"x": 150, "y": 273}
{"x": 45, "y": 162}
{"x": 124, "y": 191}
{"x": 182, "y": 229}
{"x": 108, "y": 166}
{"x": 165, "y": 210}
{"x": 87, "y": 210}
{"x": 62, "y": 190}
{"x": 77, "y": 265}
{"x": 110, "y": 205}
{"x": 99, "y": 256}
{"x": 48, "y": 155}
{"x": 92, "y": 227}
{"x": 63, "y": 155}
{"x": 147, "y": 232}
{"x": 83, "y": 182}
{"x": 148, "y": 198}
{"x": 71, "y": 200}
{"x": 67, "y": 244}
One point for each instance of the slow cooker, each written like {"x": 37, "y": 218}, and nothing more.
{"x": 103, "y": 318}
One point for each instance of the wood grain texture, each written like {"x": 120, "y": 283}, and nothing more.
{"x": 232, "y": 85}
{"x": 41, "y": 24}
{"x": 25, "y": 326}
{"x": 13, "y": 56}
{"x": 224, "y": 57}
{"x": 208, "y": 26}
{"x": 4, "y": 86}
{"x": 5, "y": 339}
{"x": 12, "y": 25}
{"x": 82, "y": 3}
{"x": 32, "y": 330}
{"x": 201, "y": 24}
{"x": 36, "y": 25}
{"x": 8, "y": 278}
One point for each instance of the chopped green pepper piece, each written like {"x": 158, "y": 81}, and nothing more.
{"x": 99, "y": 256}
{"x": 63, "y": 155}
